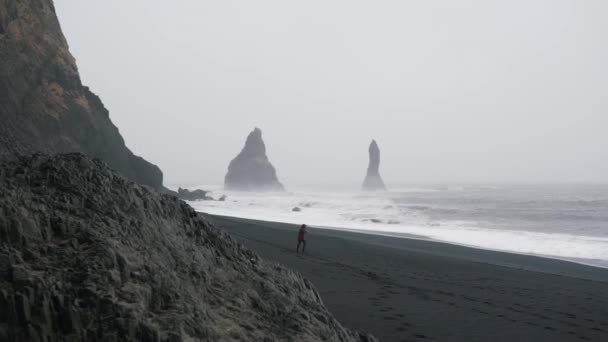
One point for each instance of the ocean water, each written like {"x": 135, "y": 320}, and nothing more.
{"x": 559, "y": 221}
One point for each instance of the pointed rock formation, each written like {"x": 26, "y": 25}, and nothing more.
{"x": 43, "y": 104}
{"x": 373, "y": 181}
{"x": 251, "y": 169}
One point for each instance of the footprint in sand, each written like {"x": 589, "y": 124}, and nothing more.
{"x": 569, "y": 315}
{"x": 570, "y": 324}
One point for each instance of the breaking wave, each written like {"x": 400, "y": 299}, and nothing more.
{"x": 562, "y": 223}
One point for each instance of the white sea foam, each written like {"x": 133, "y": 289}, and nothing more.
{"x": 384, "y": 213}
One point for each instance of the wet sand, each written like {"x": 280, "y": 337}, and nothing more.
{"x": 414, "y": 290}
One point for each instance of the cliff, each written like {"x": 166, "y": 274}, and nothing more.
{"x": 43, "y": 104}
{"x": 86, "y": 255}
{"x": 251, "y": 170}
{"x": 373, "y": 181}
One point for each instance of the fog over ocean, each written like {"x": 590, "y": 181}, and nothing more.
{"x": 560, "y": 221}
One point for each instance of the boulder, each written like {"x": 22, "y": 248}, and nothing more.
{"x": 373, "y": 181}
{"x": 251, "y": 170}
{"x": 196, "y": 195}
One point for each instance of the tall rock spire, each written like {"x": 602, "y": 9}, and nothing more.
{"x": 373, "y": 181}
{"x": 251, "y": 169}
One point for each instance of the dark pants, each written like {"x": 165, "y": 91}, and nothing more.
{"x": 303, "y": 243}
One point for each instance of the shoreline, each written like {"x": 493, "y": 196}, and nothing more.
{"x": 536, "y": 228}
{"x": 403, "y": 289}
{"x": 517, "y": 260}
{"x": 580, "y": 261}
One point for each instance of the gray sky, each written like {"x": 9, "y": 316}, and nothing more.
{"x": 453, "y": 91}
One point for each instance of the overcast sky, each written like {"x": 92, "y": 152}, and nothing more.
{"x": 482, "y": 91}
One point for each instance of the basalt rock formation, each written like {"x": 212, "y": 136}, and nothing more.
{"x": 87, "y": 255}
{"x": 373, "y": 181}
{"x": 251, "y": 170}
{"x": 194, "y": 195}
{"x": 43, "y": 104}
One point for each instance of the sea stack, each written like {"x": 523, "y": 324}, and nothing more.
{"x": 251, "y": 170}
{"x": 373, "y": 181}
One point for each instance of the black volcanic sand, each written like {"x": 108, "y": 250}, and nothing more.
{"x": 415, "y": 290}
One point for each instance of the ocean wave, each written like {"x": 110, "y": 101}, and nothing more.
{"x": 499, "y": 225}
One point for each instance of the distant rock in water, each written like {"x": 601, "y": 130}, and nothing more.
{"x": 195, "y": 195}
{"x": 373, "y": 181}
{"x": 251, "y": 170}
{"x": 86, "y": 255}
{"x": 44, "y": 107}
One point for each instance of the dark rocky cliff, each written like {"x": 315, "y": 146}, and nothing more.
{"x": 251, "y": 169}
{"x": 86, "y": 255}
{"x": 43, "y": 104}
{"x": 373, "y": 181}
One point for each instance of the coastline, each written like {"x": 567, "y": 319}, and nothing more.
{"x": 564, "y": 230}
{"x": 523, "y": 261}
{"x": 408, "y": 289}
{"x": 578, "y": 261}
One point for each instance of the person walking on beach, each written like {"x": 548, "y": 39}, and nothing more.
{"x": 301, "y": 239}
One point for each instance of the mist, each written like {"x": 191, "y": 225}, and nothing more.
{"x": 473, "y": 91}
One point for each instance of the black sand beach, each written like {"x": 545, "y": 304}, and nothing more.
{"x": 415, "y": 290}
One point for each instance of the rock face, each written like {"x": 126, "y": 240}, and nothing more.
{"x": 87, "y": 255}
{"x": 43, "y": 104}
{"x": 251, "y": 170}
{"x": 373, "y": 181}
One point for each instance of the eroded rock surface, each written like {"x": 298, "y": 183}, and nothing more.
{"x": 87, "y": 255}
{"x": 43, "y": 104}
{"x": 373, "y": 181}
{"x": 251, "y": 170}
{"x": 193, "y": 195}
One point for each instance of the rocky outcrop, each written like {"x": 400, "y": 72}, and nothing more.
{"x": 86, "y": 255}
{"x": 373, "y": 181}
{"x": 194, "y": 195}
{"x": 251, "y": 170}
{"x": 43, "y": 104}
